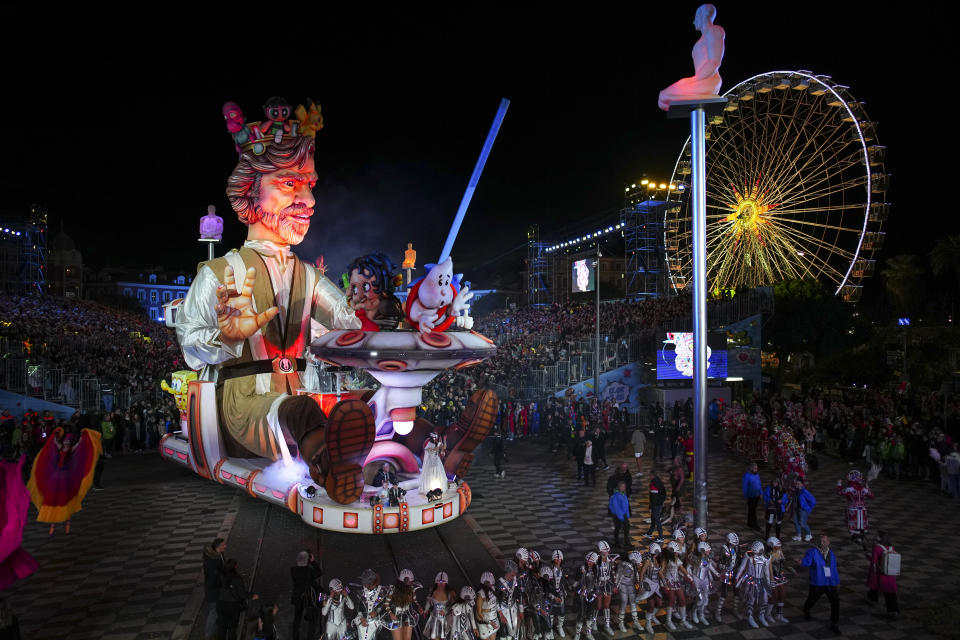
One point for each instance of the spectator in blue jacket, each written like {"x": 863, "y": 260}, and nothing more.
{"x": 620, "y": 511}
{"x": 802, "y": 503}
{"x": 824, "y": 579}
{"x": 752, "y": 488}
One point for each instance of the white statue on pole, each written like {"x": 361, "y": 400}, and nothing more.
{"x": 707, "y": 55}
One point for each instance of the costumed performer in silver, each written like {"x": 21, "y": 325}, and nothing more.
{"x": 753, "y": 578}
{"x": 438, "y": 605}
{"x": 628, "y": 586}
{"x": 778, "y": 581}
{"x": 587, "y": 595}
{"x": 703, "y": 573}
{"x": 650, "y": 576}
{"x": 370, "y": 604}
{"x": 402, "y": 607}
{"x": 488, "y": 608}
{"x": 463, "y": 625}
{"x": 672, "y": 575}
{"x": 727, "y": 567}
{"x": 605, "y": 582}
{"x": 248, "y": 318}
{"x": 335, "y": 611}
{"x": 558, "y": 592}
{"x": 508, "y": 598}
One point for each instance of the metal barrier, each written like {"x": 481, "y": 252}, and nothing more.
{"x": 52, "y": 379}
{"x": 16, "y": 375}
{"x": 89, "y": 395}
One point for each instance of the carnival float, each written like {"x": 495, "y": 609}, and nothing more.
{"x": 258, "y": 322}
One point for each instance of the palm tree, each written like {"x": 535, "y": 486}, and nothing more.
{"x": 903, "y": 277}
{"x": 945, "y": 257}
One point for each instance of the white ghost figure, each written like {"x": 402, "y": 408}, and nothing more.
{"x": 436, "y": 299}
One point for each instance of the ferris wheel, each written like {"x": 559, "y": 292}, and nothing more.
{"x": 795, "y": 188}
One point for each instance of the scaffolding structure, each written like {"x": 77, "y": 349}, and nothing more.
{"x": 538, "y": 269}
{"x": 642, "y": 224}
{"x": 23, "y": 252}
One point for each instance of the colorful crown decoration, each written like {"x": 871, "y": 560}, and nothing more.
{"x": 256, "y": 137}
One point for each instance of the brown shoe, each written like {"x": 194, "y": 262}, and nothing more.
{"x": 351, "y": 431}
{"x": 465, "y": 434}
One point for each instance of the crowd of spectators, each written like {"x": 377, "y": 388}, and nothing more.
{"x": 529, "y": 339}
{"x": 117, "y": 347}
{"x": 908, "y": 433}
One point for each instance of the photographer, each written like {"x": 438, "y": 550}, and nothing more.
{"x": 305, "y": 595}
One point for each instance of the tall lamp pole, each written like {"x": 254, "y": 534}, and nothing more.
{"x": 697, "y": 110}
{"x": 596, "y": 354}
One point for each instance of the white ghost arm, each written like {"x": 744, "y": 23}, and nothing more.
{"x": 460, "y": 308}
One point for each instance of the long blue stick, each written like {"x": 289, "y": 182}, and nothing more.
{"x": 474, "y": 179}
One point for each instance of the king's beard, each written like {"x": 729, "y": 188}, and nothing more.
{"x": 284, "y": 224}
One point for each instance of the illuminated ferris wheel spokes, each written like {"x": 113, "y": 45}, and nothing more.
{"x": 788, "y": 187}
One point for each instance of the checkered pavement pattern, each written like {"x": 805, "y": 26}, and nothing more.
{"x": 131, "y": 561}
{"x": 541, "y": 505}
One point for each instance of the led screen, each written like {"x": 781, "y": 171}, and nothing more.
{"x": 583, "y": 277}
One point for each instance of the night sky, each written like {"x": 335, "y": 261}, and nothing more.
{"x": 118, "y": 130}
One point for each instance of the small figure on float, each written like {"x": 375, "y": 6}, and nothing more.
{"x": 432, "y": 474}
{"x": 707, "y": 55}
{"x": 335, "y": 610}
{"x": 62, "y": 474}
{"x": 15, "y": 563}
{"x": 857, "y": 492}
{"x": 437, "y": 301}
{"x": 178, "y": 388}
{"x": 370, "y": 282}
{"x": 211, "y": 225}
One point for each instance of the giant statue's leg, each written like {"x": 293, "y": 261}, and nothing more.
{"x": 335, "y": 455}
{"x": 465, "y": 434}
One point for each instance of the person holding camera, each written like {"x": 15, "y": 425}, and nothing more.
{"x": 232, "y": 600}
{"x": 305, "y": 595}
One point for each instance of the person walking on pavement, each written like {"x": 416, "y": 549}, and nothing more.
{"x": 802, "y": 503}
{"x": 638, "y": 440}
{"x": 824, "y": 579}
{"x": 775, "y": 501}
{"x": 657, "y": 496}
{"x": 619, "y": 506}
{"x": 579, "y": 447}
{"x": 304, "y": 596}
{"x": 661, "y": 446}
{"x": 879, "y": 582}
{"x": 213, "y": 562}
{"x": 589, "y": 465}
{"x": 622, "y": 474}
{"x": 752, "y": 488}
{"x": 600, "y": 447}
{"x": 232, "y": 600}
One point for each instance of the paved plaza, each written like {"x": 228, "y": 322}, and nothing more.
{"x": 131, "y": 567}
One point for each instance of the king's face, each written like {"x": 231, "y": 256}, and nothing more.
{"x": 286, "y": 202}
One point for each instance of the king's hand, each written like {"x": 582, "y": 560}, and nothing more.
{"x": 235, "y": 315}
